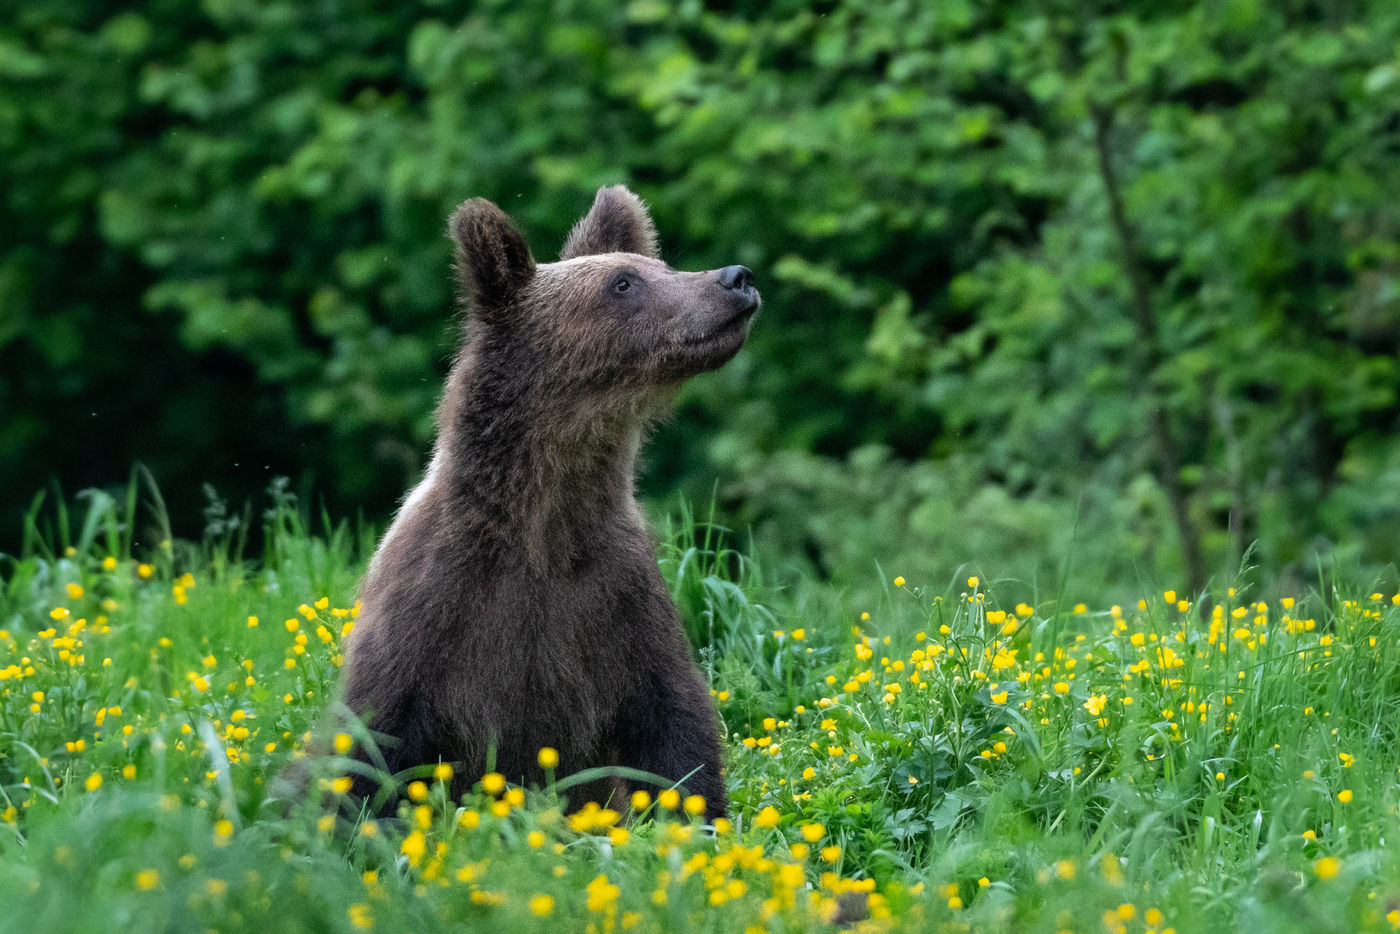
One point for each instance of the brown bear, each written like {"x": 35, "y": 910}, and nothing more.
{"x": 515, "y": 601}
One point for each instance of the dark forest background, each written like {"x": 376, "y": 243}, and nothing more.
{"x": 1077, "y": 293}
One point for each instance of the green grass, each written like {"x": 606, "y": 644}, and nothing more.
{"x": 972, "y": 762}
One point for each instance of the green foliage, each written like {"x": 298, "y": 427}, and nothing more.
{"x": 961, "y": 757}
{"x": 1043, "y": 274}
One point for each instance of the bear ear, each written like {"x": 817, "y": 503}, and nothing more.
{"x": 491, "y": 258}
{"x": 618, "y": 222}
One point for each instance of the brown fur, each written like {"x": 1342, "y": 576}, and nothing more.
{"x": 515, "y": 602}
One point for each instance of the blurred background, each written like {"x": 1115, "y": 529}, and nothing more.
{"x": 1087, "y": 299}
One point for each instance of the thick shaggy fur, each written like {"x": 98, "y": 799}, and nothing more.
{"x": 515, "y": 601}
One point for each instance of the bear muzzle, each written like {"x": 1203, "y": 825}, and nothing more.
{"x": 738, "y": 281}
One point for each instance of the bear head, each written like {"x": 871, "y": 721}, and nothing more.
{"x": 610, "y": 318}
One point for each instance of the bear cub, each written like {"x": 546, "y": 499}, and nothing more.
{"x": 515, "y": 601}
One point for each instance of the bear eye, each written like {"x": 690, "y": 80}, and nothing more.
{"x": 621, "y": 284}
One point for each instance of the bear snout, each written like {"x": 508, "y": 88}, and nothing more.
{"x": 738, "y": 282}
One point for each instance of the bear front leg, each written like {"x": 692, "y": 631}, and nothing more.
{"x": 670, "y": 728}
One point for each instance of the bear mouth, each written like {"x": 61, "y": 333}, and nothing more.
{"x": 735, "y": 322}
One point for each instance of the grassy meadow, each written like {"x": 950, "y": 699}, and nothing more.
{"x": 964, "y": 757}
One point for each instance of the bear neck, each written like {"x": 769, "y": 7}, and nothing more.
{"x": 541, "y": 474}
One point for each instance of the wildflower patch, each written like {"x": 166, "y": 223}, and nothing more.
{"x": 943, "y": 761}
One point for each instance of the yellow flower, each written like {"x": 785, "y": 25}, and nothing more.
{"x": 694, "y": 805}
{"x": 1061, "y": 687}
{"x": 767, "y": 818}
{"x": 602, "y": 894}
{"x": 414, "y": 845}
{"x": 641, "y": 800}
{"x": 548, "y": 759}
{"x": 94, "y": 781}
{"x": 1344, "y": 796}
{"x": 147, "y": 879}
{"x": 542, "y": 905}
{"x": 493, "y": 783}
{"x": 442, "y": 772}
{"x": 1327, "y": 867}
{"x": 813, "y": 832}
{"x": 670, "y": 799}
{"x": 831, "y": 853}
{"x": 144, "y": 571}
{"x": 791, "y": 875}
{"x": 342, "y": 743}
{"x": 360, "y": 916}
{"x": 972, "y": 582}
{"x": 899, "y": 581}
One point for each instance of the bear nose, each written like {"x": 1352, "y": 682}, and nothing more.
{"x": 738, "y": 278}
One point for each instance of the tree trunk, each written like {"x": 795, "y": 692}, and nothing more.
{"x": 1149, "y": 358}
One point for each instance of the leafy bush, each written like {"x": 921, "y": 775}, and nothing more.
{"x": 1132, "y": 272}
